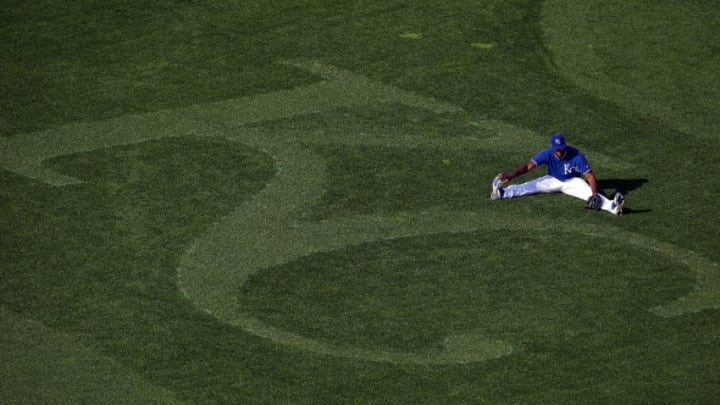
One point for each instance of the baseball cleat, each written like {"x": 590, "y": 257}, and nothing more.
{"x": 617, "y": 204}
{"x": 497, "y": 190}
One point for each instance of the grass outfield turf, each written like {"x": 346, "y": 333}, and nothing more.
{"x": 262, "y": 202}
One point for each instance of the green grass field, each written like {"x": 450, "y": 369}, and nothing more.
{"x": 281, "y": 202}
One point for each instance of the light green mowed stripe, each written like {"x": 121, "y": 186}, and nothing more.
{"x": 41, "y": 366}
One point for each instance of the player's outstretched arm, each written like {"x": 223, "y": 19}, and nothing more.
{"x": 592, "y": 181}
{"x": 520, "y": 170}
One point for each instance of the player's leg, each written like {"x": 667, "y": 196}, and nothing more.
{"x": 579, "y": 188}
{"x": 544, "y": 184}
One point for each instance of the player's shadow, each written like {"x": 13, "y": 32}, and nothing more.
{"x": 624, "y": 186}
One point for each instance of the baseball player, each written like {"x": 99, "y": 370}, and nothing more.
{"x": 566, "y": 166}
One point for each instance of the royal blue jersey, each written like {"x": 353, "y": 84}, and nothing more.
{"x": 573, "y": 164}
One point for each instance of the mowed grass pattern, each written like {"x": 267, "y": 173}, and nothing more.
{"x": 89, "y": 271}
{"x": 411, "y": 294}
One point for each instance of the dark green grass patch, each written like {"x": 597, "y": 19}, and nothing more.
{"x": 85, "y": 61}
{"x": 80, "y": 251}
{"x": 409, "y": 294}
{"x": 382, "y": 179}
{"x": 96, "y": 261}
{"x": 375, "y": 179}
{"x": 40, "y": 366}
{"x": 659, "y": 58}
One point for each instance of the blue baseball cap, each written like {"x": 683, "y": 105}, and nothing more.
{"x": 557, "y": 142}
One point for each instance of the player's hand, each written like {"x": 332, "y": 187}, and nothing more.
{"x": 594, "y": 202}
{"x": 504, "y": 177}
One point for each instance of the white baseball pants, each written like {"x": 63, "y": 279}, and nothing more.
{"x": 575, "y": 187}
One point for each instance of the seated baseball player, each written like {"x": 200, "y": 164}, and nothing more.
{"x": 566, "y": 167}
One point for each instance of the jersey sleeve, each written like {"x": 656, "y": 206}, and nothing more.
{"x": 582, "y": 164}
{"x": 541, "y": 158}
